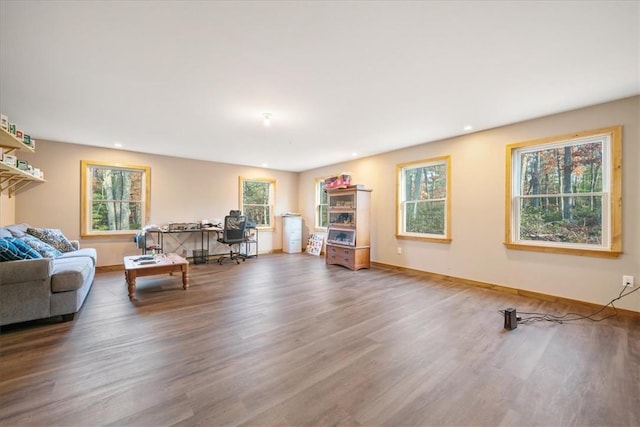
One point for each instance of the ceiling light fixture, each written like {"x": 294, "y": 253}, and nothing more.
{"x": 467, "y": 127}
{"x": 267, "y": 119}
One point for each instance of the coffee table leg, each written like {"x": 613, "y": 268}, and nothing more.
{"x": 131, "y": 283}
{"x": 185, "y": 277}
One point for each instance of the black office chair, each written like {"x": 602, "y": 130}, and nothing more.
{"x": 233, "y": 234}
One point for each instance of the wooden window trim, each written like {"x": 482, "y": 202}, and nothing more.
{"x": 84, "y": 222}
{"x": 272, "y": 205}
{"x": 615, "y": 195}
{"x": 448, "y": 226}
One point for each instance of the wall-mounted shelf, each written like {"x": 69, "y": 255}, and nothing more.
{"x": 13, "y": 179}
{"x": 10, "y": 143}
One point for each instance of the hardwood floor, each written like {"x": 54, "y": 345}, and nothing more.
{"x": 286, "y": 340}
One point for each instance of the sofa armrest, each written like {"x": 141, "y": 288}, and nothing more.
{"x": 27, "y": 270}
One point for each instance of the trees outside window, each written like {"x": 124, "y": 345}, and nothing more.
{"x": 115, "y": 198}
{"x": 257, "y": 200}
{"x": 564, "y": 193}
{"x": 322, "y": 205}
{"x": 424, "y": 200}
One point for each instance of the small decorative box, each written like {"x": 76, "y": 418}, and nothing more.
{"x": 22, "y": 165}
{"x": 19, "y": 134}
{"x": 12, "y": 128}
{"x": 26, "y": 139}
{"x": 9, "y": 159}
{"x": 4, "y": 121}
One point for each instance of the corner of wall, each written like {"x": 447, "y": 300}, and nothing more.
{"x": 7, "y": 209}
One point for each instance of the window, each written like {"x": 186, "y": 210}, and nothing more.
{"x": 115, "y": 198}
{"x": 256, "y": 200}
{"x": 564, "y": 194}
{"x": 322, "y": 205}
{"x": 424, "y": 200}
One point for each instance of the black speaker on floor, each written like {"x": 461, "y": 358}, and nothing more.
{"x": 510, "y": 319}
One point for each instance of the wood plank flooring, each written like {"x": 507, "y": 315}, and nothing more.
{"x": 284, "y": 340}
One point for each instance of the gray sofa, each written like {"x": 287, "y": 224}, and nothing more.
{"x": 45, "y": 287}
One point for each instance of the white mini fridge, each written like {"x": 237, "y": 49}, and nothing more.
{"x": 292, "y": 234}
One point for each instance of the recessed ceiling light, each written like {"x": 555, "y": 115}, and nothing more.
{"x": 117, "y": 144}
{"x": 264, "y": 165}
{"x": 266, "y": 119}
{"x": 467, "y": 127}
{"x": 354, "y": 154}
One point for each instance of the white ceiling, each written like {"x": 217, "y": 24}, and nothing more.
{"x": 192, "y": 78}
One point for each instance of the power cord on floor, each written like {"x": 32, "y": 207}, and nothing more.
{"x": 546, "y": 317}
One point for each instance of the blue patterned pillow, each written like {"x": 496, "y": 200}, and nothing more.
{"x": 44, "y": 249}
{"x": 13, "y": 249}
{"x": 53, "y": 237}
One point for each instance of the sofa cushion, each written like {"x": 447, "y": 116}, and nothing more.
{"x": 44, "y": 249}
{"x": 5, "y": 233}
{"x": 70, "y": 274}
{"x": 12, "y": 249}
{"x": 84, "y": 252}
{"x": 52, "y": 236}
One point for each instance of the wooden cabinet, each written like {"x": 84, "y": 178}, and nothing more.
{"x": 348, "y": 231}
{"x": 12, "y": 178}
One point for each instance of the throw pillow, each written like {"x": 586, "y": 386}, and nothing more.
{"x": 44, "y": 249}
{"x": 17, "y": 230}
{"x": 53, "y": 237}
{"x": 13, "y": 249}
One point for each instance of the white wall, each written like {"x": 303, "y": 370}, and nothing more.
{"x": 182, "y": 190}
{"x": 478, "y": 197}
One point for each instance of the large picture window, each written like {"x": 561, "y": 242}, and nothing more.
{"x": 257, "y": 197}
{"x": 564, "y": 194}
{"x": 115, "y": 198}
{"x": 424, "y": 200}
{"x": 322, "y": 205}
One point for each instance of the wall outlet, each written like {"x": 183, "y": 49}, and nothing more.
{"x": 627, "y": 281}
{"x": 399, "y": 250}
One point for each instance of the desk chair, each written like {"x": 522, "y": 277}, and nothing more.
{"x": 233, "y": 234}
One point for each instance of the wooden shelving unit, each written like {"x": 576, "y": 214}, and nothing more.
{"x": 13, "y": 179}
{"x": 348, "y": 232}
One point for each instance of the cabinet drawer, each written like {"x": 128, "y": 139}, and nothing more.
{"x": 352, "y": 258}
{"x": 343, "y": 256}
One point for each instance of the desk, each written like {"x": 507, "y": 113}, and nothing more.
{"x": 251, "y": 238}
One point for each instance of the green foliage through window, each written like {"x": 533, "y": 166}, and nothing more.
{"x": 423, "y": 198}
{"x": 257, "y": 201}
{"x": 114, "y": 198}
{"x": 560, "y": 192}
{"x": 322, "y": 205}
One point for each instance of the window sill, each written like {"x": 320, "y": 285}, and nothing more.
{"x": 424, "y": 239}
{"x": 126, "y": 234}
{"x": 601, "y": 253}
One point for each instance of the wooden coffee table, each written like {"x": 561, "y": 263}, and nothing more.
{"x": 136, "y": 266}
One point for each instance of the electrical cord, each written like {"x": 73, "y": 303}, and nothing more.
{"x": 570, "y": 317}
